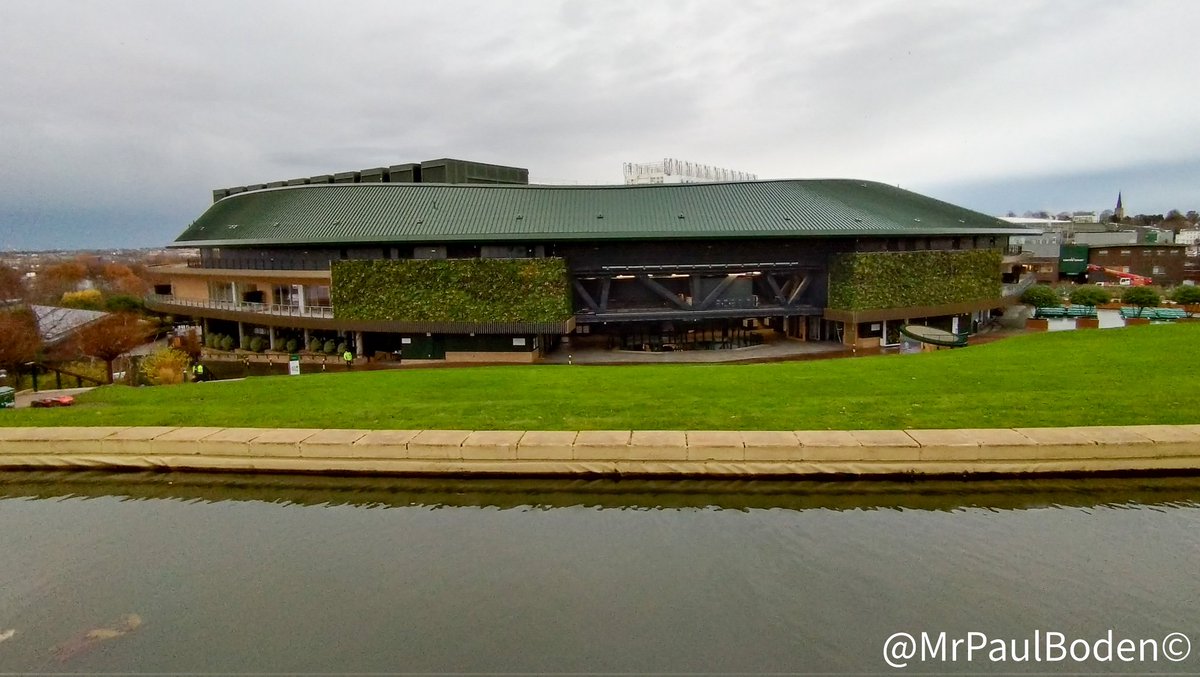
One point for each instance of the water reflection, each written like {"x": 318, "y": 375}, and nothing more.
{"x": 370, "y": 492}
{"x": 233, "y": 573}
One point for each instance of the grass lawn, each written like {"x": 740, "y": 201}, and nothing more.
{"x": 1135, "y": 375}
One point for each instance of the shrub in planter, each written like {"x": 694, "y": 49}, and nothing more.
{"x": 1090, "y": 295}
{"x": 245, "y": 343}
{"x": 256, "y": 344}
{"x": 341, "y": 348}
{"x": 1142, "y": 297}
{"x": 329, "y": 347}
{"x": 1186, "y": 295}
{"x": 1040, "y": 296}
{"x": 315, "y": 345}
{"x": 291, "y": 345}
{"x": 226, "y": 343}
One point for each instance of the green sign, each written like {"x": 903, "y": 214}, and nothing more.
{"x": 1072, "y": 259}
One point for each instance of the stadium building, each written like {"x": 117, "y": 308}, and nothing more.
{"x": 481, "y": 266}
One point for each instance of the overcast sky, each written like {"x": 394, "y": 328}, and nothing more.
{"x": 118, "y": 118}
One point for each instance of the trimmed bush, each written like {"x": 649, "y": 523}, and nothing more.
{"x": 226, "y": 343}
{"x": 342, "y": 348}
{"x": 329, "y": 347}
{"x": 291, "y": 345}
{"x": 315, "y": 345}
{"x": 88, "y": 299}
{"x": 1041, "y": 296}
{"x": 257, "y": 343}
{"x": 1142, "y": 297}
{"x": 1186, "y": 295}
{"x": 124, "y": 303}
{"x": 165, "y": 367}
{"x": 245, "y": 345}
{"x": 1090, "y": 295}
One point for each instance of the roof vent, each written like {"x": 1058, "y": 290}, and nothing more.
{"x": 520, "y": 216}
{"x": 681, "y": 216}
{"x": 787, "y": 218}
{"x": 599, "y": 216}
{"x": 232, "y": 226}
{"x": 917, "y": 220}
{"x": 857, "y": 220}
{"x": 276, "y": 224}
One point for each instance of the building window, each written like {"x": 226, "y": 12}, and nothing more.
{"x": 1102, "y": 252}
{"x": 1158, "y": 270}
{"x": 1126, "y": 252}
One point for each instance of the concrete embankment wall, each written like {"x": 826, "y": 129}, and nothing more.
{"x": 1149, "y": 448}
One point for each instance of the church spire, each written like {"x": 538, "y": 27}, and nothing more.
{"x": 1119, "y": 212}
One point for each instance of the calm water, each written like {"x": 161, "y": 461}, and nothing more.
{"x": 242, "y": 574}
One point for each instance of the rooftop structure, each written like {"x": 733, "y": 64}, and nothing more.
{"x": 670, "y": 170}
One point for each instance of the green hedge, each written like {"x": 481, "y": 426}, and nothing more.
{"x": 452, "y": 290}
{"x": 869, "y": 281}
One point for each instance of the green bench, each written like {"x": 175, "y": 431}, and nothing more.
{"x": 1082, "y": 312}
{"x": 1050, "y": 312}
{"x": 1160, "y": 314}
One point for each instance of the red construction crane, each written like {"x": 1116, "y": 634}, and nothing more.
{"x": 1125, "y": 278}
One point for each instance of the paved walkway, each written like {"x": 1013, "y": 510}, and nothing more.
{"x": 590, "y": 352}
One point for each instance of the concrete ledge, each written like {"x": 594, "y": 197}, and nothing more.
{"x": 714, "y": 453}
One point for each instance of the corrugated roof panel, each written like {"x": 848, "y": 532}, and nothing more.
{"x": 413, "y": 212}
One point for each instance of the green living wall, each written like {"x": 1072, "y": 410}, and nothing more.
{"x": 452, "y": 290}
{"x": 869, "y": 281}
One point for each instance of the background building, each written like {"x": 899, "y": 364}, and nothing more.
{"x": 670, "y": 170}
{"x": 1163, "y": 263}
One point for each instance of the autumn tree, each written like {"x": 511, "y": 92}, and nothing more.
{"x": 119, "y": 278}
{"x": 21, "y": 341}
{"x": 110, "y": 337}
{"x": 12, "y": 285}
{"x": 56, "y": 280}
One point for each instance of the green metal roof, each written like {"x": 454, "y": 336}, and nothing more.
{"x": 422, "y": 212}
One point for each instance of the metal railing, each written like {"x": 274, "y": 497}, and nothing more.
{"x": 1016, "y": 289}
{"x": 1014, "y": 250}
{"x": 285, "y": 263}
{"x": 284, "y": 310}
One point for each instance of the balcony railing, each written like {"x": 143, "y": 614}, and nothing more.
{"x": 283, "y": 310}
{"x": 282, "y": 263}
{"x": 1013, "y": 250}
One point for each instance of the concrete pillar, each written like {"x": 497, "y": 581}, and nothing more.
{"x": 358, "y": 342}
{"x": 271, "y": 338}
{"x": 241, "y": 333}
{"x": 307, "y": 339}
{"x": 300, "y": 297}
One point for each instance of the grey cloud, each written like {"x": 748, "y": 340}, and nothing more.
{"x": 130, "y": 111}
